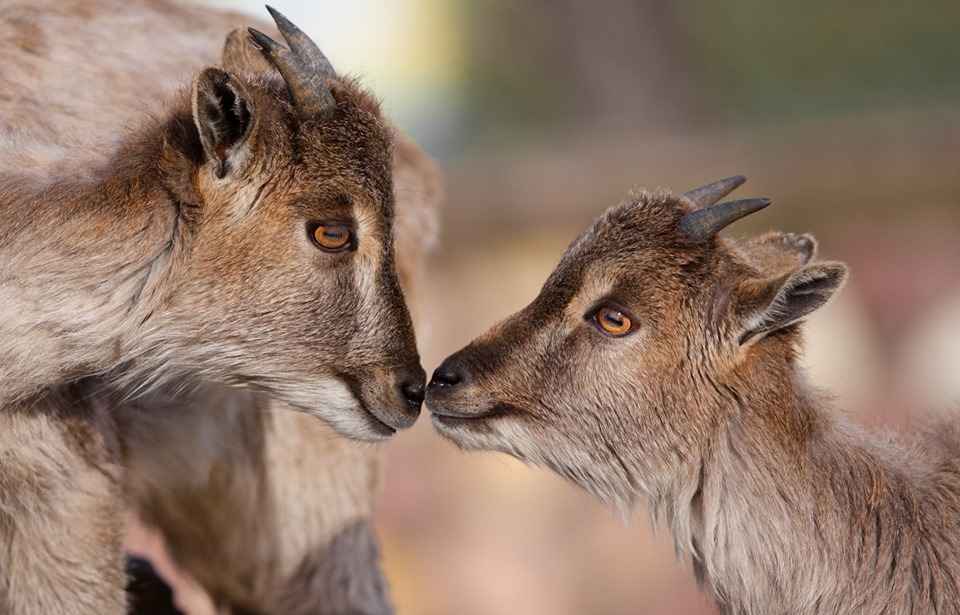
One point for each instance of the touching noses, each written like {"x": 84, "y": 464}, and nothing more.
{"x": 411, "y": 386}
{"x": 449, "y": 384}
{"x": 450, "y": 374}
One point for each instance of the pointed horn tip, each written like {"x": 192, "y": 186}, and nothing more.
{"x": 277, "y": 15}
{"x": 264, "y": 42}
{"x": 258, "y": 36}
{"x": 301, "y": 44}
{"x": 253, "y": 39}
{"x": 287, "y": 28}
{"x": 708, "y": 194}
{"x": 731, "y": 183}
{"x": 745, "y": 205}
{"x": 299, "y": 65}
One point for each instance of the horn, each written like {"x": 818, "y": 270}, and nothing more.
{"x": 302, "y": 45}
{"x": 713, "y": 192}
{"x": 308, "y": 91}
{"x": 703, "y": 224}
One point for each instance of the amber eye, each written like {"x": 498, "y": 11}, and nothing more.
{"x": 612, "y": 322}
{"x": 332, "y": 237}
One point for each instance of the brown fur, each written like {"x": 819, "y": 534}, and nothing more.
{"x": 286, "y": 510}
{"x": 70, "y": 130}
{"x": 209, "y": 254}
{"x": 774, "y": 253}
{"x": 61, "y": 508}
{"x": 702, "y": 412}
{"x": 252, "y": 498}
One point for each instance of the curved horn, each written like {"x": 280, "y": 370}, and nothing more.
{"x": 703, "y": 224}
{"x": 713, "y": 192}
{"x": 302, "y": 45}
{"x": 307, "y": 90}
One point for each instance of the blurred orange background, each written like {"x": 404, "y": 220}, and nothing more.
{"x": 543, "y": 114}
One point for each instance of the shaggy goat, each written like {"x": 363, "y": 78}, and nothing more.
{"x": 246, "y": 236}
{"x": 658, "y": 364}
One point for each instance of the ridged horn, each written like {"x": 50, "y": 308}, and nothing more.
{"x": 309, "y": 93}
{"x": 713, "y": 192}
{"x": 703, "y": 224}
{"x": 302, "y": 45}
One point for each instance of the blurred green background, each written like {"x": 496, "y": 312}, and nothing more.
{"x": 543, "y": 114}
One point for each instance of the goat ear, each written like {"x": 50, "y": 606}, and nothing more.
{"x": 223, "y": 114}
{"x": 771, "y": 304}
{"x": 775, "y": 252}
{"x": 239, "y": 54}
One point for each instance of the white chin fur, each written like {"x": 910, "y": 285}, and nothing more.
{"x": 340, "y": 409}
{"x": 462, "y": 434}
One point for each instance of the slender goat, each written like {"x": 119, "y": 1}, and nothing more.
{"x": 245, "y": 236}
{"x": 658, "y": 364}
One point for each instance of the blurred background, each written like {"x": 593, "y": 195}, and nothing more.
{"x": 544, "y": 113}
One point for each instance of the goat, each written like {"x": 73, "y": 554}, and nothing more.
{"x": 658, "y": 364}
{"x": 245, "y": 216}
{"x": 165, "y": 469}
{"x": 266, "y": 508}
{"x": 298, "y": 500}
{"x": 226, "y": 204}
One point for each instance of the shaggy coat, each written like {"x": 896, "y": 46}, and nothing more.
{"x": 62, "y": 113}
{"x": 660, "y": 367}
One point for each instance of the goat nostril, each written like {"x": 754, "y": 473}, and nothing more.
{"x": 443, "y": 377}
{"x": 413, "y": 392}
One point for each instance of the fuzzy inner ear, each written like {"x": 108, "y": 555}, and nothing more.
{"x": 224, "y": 117}
{"x": 775, "y": 253}
{"x": 240, "y": 55}
{"x": 771, "y": 304}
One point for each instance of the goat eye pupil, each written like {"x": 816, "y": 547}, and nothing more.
{"x": 332, "y": 237}
{"x": 612, "y": 321}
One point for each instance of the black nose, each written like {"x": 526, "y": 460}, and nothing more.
{"x": 446, "y": 376}
{"x": 414, "y": 392}
{"x": 411, "y": 386}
